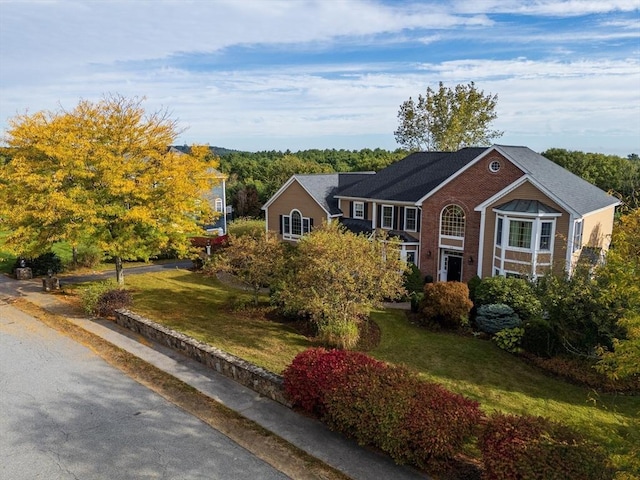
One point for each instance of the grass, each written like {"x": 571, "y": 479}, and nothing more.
{"x": 203, "y": 308}
{"x": 209, "y": 311}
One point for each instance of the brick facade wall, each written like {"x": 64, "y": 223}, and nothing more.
{"x": 469, "y": 189}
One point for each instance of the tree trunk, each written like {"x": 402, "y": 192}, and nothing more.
{"x": 74, "y": 252}
{"x": 119, "y": 270}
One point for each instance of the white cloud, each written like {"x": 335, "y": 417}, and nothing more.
{"x": 60, "y": 51}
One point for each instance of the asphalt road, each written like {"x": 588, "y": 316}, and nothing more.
{"x": 66, "y": 414}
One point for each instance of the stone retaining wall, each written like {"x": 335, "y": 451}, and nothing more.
{"x": 262, "y": 381}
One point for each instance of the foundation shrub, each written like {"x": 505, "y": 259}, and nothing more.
{"x": 515, "y": 292}
{"x": 495, "y": 317}
{"x": 535, "y": 448}
{"x": 446, "y": 303}
{"x": 316, "y": 371}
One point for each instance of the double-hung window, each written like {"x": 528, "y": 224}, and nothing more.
{"x": 577, "y": 235}
{"x": 358, "y": 210}
{"x": 545, "y": 236}
{"x": 411, "y": 219}
{"x": 387, "y": 217}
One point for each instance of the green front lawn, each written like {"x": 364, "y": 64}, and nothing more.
{"x": 203, "y": 308}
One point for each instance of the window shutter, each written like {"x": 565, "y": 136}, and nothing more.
{"x": 396, "y": 220}
{"x": 350, "y": 209}
{"x": 311, "y": 222}
{"x": 401, "y": 218}
{"x": 366, "y": 213}
{"x": 418, "y": 219}
{"x": 281, "y": 222}
{"x": 379, "y": 216}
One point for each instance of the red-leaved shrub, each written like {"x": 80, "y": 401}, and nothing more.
{"x": 316, "y": 371}
{"x": 437, "y": 424}
{"x": 382, "y": 405}
{"x": 535, "y": 448}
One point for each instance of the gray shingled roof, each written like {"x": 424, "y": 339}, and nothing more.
{"x": 412, "y": 177}
{"x": 324, "y": 187}
{"x": 574, "y": 192}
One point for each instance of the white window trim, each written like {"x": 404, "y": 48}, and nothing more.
{"x": 415, "y": 210}
{"x": 356, "y": 215}
{"x": 286, "y": 234}
{"x": 219, "y": 205}
{"x": 382, "y": 225}
{"x": 534, "y": 250}
{"x": 578, "y": 231}
{"x": 452, "y": 237}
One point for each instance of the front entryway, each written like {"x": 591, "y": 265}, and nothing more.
{"x": 451, "y": 266}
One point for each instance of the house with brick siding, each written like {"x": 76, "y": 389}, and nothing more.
{"x": 486, "y": 211}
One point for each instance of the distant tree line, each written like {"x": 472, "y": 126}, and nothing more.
{"x": 617, "y": 175}
{"x": 254, "y": 177}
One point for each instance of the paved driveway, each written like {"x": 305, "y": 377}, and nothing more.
{"x": 66, "y": 414}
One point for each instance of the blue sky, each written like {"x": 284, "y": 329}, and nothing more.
{"x": 297, "y": 74}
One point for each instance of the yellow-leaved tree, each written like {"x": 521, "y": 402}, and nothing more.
{"x": 103, "y": 173}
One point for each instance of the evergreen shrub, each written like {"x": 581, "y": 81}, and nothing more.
{"x": 495, "y": 317}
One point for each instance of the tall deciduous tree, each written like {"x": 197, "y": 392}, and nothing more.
{"x": 336, "y": 277}
{"x": 102, "y": 171}
{"x": 620, "y": 280}
{"x": 447, "y": 119}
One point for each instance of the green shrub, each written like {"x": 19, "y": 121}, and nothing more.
{"x": 41, "y": 265}
{"x": 515, "y": 292}
{"x": 539, "y": 338}
{"x": 90, "y": 294}
{"x": 413, "y": 280}
{"x": 339, "y": 333}
{"x": 509, "y": 339}
{"x": 89, "y": 256}
{"x": 446, "y": 303}
{"x": 495, "y": 317}
{"x": 583, "y": 312}
{"x": 240, "y": 227}
{"x": 473, "y": 284}
{"x": 534, "y": 448}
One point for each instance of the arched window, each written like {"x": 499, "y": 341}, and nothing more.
{"x": 452, "y": 221}
{"x": 218, "y": 205}
{"x": 296, "y": 223}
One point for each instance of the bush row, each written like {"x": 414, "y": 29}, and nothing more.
{"x": 426, "y": 425}
{"x": 382, "y": 405}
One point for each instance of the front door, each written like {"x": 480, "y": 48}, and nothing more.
{"x": 451, "y": 267}
{"x": 454, "y": 270}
